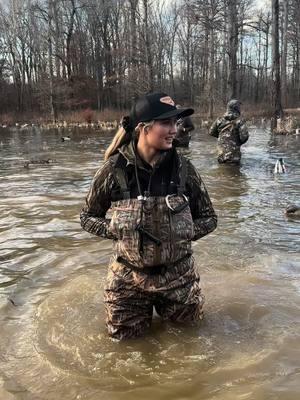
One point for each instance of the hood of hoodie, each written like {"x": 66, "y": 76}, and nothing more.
{"x": 233, "y": 107}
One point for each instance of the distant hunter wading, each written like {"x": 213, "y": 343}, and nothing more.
{"x": 184, "y": 127}
{"x": 159, "y": 205}
{"x": 231, "y": 132}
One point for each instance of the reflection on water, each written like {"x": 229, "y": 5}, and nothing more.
{"x": 52, "y": 335}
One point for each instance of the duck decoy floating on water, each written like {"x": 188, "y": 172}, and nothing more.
{"x": 65, "y": 138}
{"x": 279, "y": 167}
{"x": 293, "y": 211}
{"x": 37, "y": 162}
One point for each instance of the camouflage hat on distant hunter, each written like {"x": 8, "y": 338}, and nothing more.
{"x": 234, "y": 106}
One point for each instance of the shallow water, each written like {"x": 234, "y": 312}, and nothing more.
{"x": 53, "y": 343}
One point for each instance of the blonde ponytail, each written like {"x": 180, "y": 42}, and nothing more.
{"x": 123, "y": 137}
{"x": 120, "y": 138}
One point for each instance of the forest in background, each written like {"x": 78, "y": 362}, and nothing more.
{"x": 64, "y": 55}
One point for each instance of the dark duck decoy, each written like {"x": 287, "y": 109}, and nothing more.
{"x": 293, "y": 211}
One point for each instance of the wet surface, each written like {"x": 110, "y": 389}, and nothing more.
{"x": 53, "y": 343}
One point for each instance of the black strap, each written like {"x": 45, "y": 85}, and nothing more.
{"x": 178, "y": 180}
{"x": 182, "y": 176}
{"x": 121, "y": 178}
{"x": 120, "y": 175}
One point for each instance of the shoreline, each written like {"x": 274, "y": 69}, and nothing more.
{"x": 108, "y": 120}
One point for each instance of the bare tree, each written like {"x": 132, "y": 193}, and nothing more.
{"x": 278, "y": 112}
{"x": 62, "y": 54}
{"x": 233, "y": 48}
{"x": 284, "y": 51}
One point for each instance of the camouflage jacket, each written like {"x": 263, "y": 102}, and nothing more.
{"x": 239, "y": 125}
{"x": 157, "y": 180}
{"x": 231, "y": 132}
{"x": 184, "y": 126}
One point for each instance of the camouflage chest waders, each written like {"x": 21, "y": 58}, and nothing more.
{"x": 153, "y": 263}
{"x": 229, "y": 144}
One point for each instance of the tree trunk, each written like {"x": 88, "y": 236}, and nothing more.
{"x": 57, "y": 40}
{"x": 257, "y": 85}
{"x": 224, "y": 82}
{"x": 211, "y": 74}
{"x": 284, "y": 52}
{"x": 133, "y": 64}
{"x": 68, "y": 41}
{"x": 53, "y": 110}
{"x": 233, "y": 47}
{"x": 276, "y": 95}
{"x": 266, "y": 55}
{"x": 149, "y": 60}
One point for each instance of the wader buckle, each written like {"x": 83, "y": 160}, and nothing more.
{"x": 180, "y": 207}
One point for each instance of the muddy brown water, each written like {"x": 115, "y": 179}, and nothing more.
{"x": 53, "y": 343}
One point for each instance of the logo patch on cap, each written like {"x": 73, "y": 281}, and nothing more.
{"x": 167, "y": 100}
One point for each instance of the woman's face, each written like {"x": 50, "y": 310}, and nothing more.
{"x": 161, "y": 134}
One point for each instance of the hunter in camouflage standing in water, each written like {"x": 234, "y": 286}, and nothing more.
{"x": 159, "y": 205}
{"x": 231, "y": 132}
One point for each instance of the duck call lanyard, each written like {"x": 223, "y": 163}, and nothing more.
{"x": 143, "y": 198}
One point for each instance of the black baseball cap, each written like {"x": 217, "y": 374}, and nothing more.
{"x": 156, "y": 106}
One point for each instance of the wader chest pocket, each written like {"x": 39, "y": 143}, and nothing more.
{"x": 181, "y": 220}
{"x": 124, "y": 221}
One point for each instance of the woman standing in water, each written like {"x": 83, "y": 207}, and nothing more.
{"x": 159, "y": 205}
